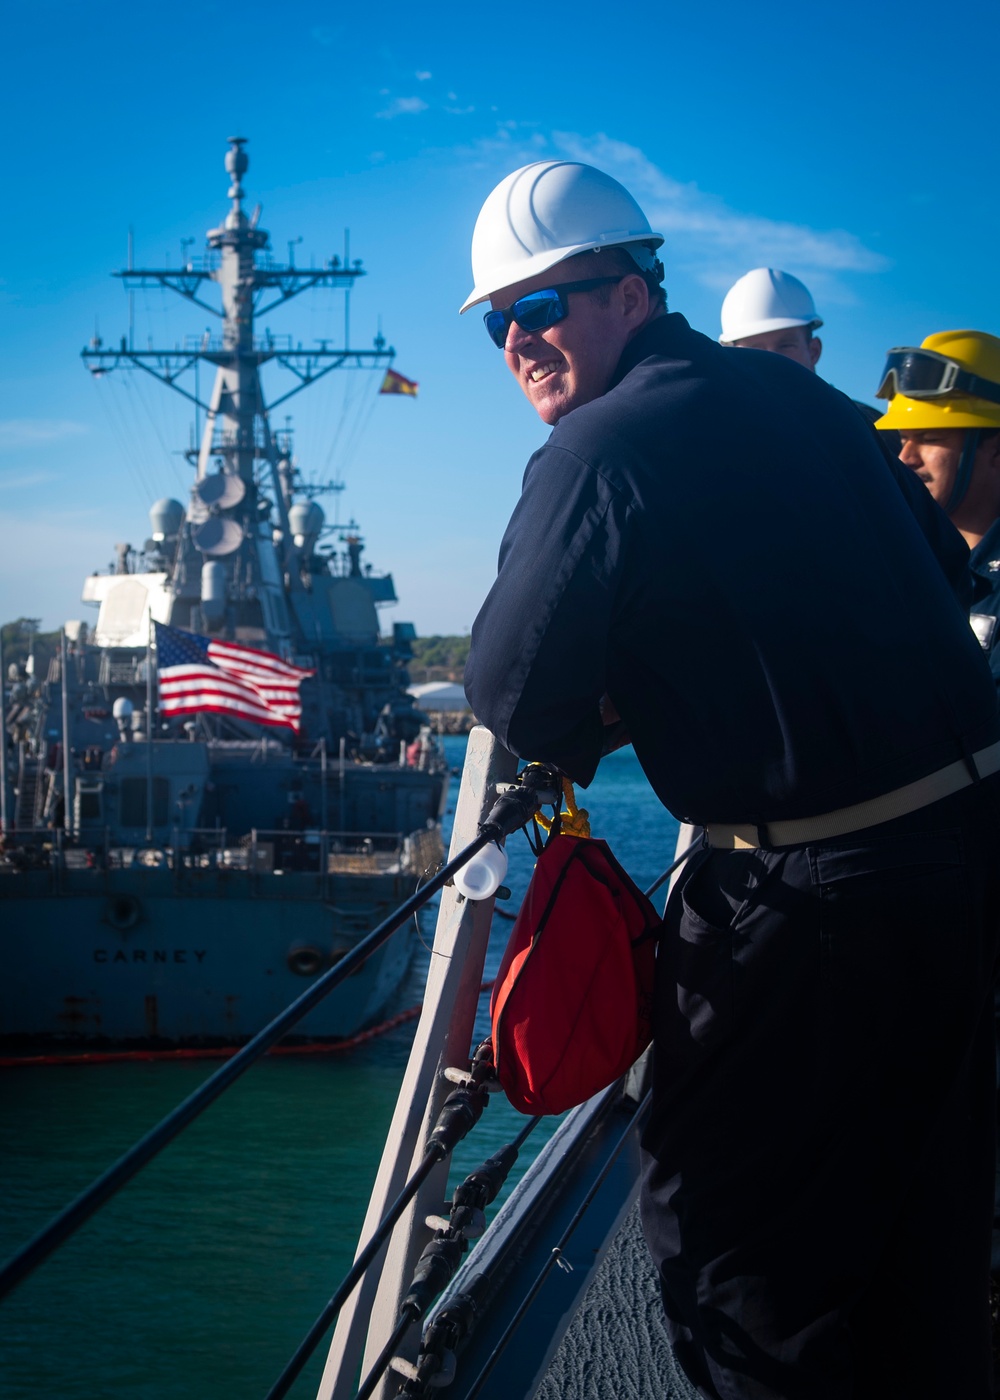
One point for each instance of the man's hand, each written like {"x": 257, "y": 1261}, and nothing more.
{"x": 616, "y": 734}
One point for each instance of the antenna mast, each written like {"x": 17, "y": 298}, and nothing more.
{"x": 223, "y": 520}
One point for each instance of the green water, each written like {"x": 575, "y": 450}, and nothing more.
{"x": 200, "y": 1278}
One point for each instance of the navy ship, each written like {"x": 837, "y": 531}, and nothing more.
{"x": 222, "y": 783}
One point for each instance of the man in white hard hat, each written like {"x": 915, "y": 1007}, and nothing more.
{"x": 767, "y": 309}
{"x": 771, "y": 310}
{"x": 697, "y": 544}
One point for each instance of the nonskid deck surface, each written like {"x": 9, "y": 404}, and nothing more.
{"x": 568, "y": 1303}
{"x": 617, "y": 1343}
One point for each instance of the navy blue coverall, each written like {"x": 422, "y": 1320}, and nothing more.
{"x": 705, "y": 544}
{"x": 984, "y": 565}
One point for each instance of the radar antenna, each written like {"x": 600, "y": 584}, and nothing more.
{"x": 237, "y": 431}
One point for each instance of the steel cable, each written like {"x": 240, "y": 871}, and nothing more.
{"x": 554, "y": 1257}
{"x": 361, "y": 1264}
{"x": 351, "y": 1279}
{"x": 508, "y": 813}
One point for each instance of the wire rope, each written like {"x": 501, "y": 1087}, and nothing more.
{"x": 349, "y": 395}
{"x": 111, "y": 402}
{"x": 363, "y": 419}
{"x": 331, "y": 395}
{"x": 509, "y": 812}
{"x": 139, "y": 429}
{"x": 159, "y": 428}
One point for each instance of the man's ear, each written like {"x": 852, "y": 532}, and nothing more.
{"x": 992, "y": 454}
{"x": 634, "y": 298}
{"x": 815, "y": 350}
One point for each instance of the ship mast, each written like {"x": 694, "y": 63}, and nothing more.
{"x": 228, "y": 551}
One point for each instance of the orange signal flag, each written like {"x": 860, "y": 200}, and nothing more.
{"x": 394, "y": 383}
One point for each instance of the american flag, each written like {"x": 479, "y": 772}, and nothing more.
{"x": 198, "y": 673}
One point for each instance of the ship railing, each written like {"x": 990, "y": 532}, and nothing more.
{"x": 312, "y": 848}
{"x": 260, "y": 851}
{"x": 215, "y": 343}
{"x": 414, "y": 1304}
{"x": 408, "y": 1252}
{"x": 449, "y": 1005}
{"x": 131, "y": 672}
{"x": 51, "y": 848}
{"x": 30, "y": 848}
{"x": 201, "y": 262}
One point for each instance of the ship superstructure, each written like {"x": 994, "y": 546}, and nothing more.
{"x": 133, "y": 821}
{"x": 241, "y": 560}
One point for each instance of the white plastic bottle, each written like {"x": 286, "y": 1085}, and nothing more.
{"x": 482, "y": 876}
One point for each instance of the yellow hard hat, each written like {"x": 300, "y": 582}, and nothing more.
{"x": 951, "y": 381}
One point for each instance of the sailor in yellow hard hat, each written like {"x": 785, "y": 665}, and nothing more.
{"x": 944, "y": 400}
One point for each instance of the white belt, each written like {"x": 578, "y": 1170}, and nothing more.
{"x": 861, "y": 815}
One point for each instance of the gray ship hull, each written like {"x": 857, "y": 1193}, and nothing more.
{"x": 188, "y": 957}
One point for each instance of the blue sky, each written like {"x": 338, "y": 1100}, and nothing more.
{"x": 854, "y": 148}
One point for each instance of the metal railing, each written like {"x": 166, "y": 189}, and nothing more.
{"x": 506, "y": 815}
{"x": 408, "y": 1253}
{"x": 377, "y": 1325}
{"x": 258, "y": 849}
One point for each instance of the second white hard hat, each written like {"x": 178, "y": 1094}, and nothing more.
{"x": 766, "y": 300}
{"x": 549, "y": 211}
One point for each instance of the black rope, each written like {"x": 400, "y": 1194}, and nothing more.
{"x": 406, "y": 1319}
{"x": 351, "y": 1280}
{"x": 360, "y": 1266}
{"x": 696, "y": 845}
{"x": 443, "y": 1254}
{"x": 510, "y": 811}
{"x": 432, "y": 1284}
{"x": 526, "y": 1132}
{"x": 555, "y": 1255}
{"x": 315, "y": 1334}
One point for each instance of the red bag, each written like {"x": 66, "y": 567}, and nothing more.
{"x": 572, "y": 1005}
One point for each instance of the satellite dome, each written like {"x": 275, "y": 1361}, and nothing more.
{"x": 165, "y": 518}
{"x": 305, "y": 522}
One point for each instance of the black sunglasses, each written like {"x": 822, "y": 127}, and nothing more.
{"x": 537, "y": 310}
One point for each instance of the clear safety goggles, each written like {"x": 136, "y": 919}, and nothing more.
{"x": 537, "y": 310}
{"x": 924, "y": 374}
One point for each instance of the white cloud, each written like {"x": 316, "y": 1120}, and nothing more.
{"x": 73, "y": 544}
{"x": 706, "y": 239}
{"x": 514, "y": 142}
{"x": 423, "y": 77}
{"x": 713, "y": 241}
{"x": 403, "y": 106}
{"x": 19, "y": 433}
{"x": 17, "y": 483}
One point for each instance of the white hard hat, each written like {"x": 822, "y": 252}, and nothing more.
{"x": 547, "y": 212}
{"x": 766, "y": 300}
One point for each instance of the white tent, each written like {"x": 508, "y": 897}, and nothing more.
{"x": 439, "y": 695}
